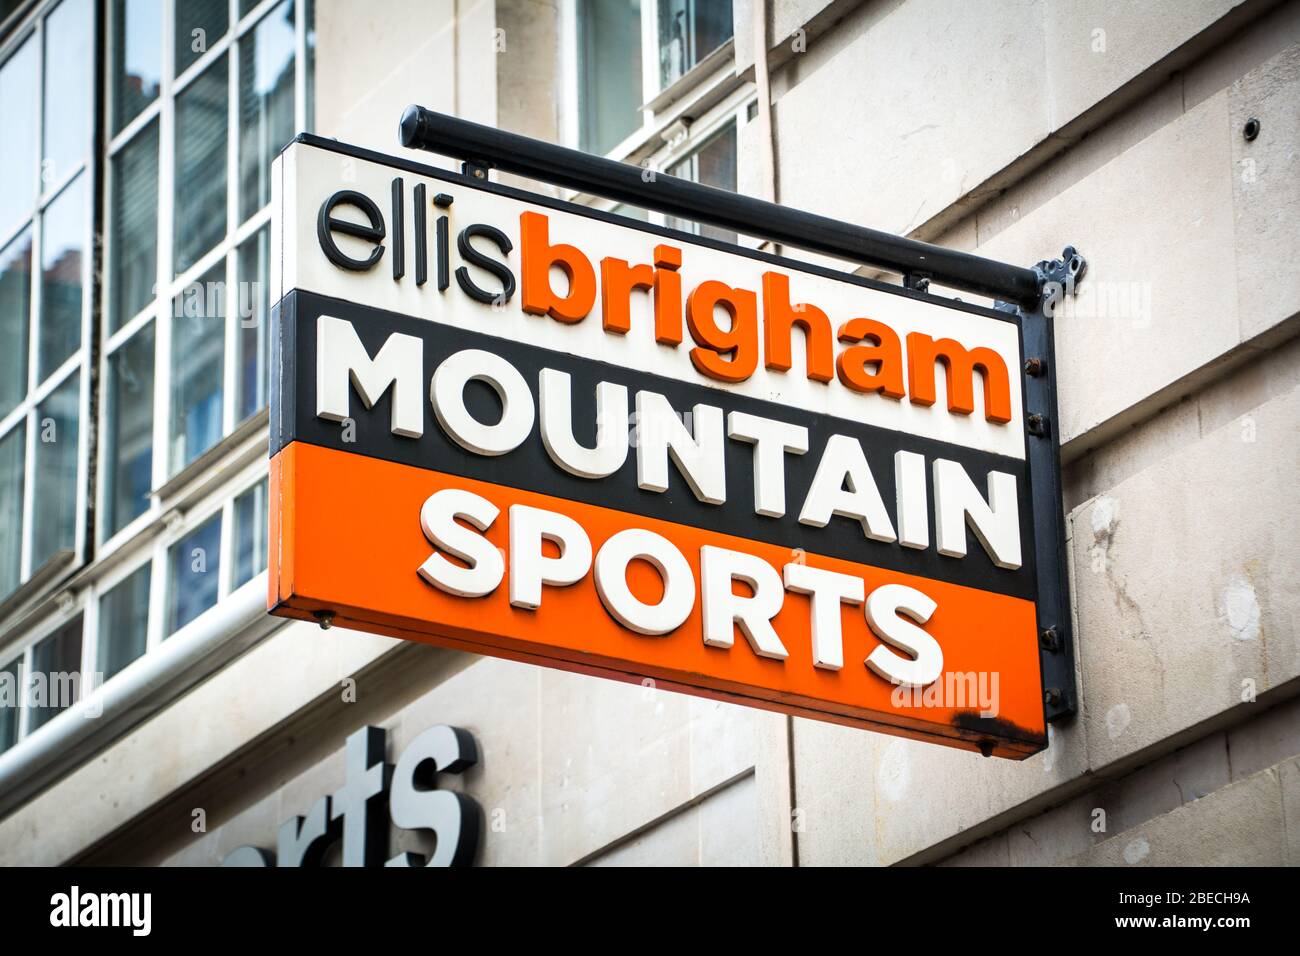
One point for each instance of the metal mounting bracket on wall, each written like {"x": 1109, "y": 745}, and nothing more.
{"x": 1031, "y": 293}
{"x": 1057, "y": 279}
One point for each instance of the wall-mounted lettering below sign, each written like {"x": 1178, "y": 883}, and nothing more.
{"x": 352, "y": 823}
{"x": 515, "y": 426}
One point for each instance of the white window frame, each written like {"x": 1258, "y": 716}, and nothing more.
{"x": 662, "y": 140}
{"x": 33, "y": 31}
{"x": 154, "y": 553}
{"x": 23, "y": 649}
{"x": 169, "y": 285}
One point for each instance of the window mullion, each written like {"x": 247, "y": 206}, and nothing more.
{"x": 230, "y": 333}
{"x": 300, "y": 66}
{"x": 649, "y": 53}
{"x": 24, "y": 688}
{"x": 225, "y": 560}
{"x": 34, "y": 304}
{"x": 158, "y": 587}
{"x": 233, "y": 185}
{"x": 29, "y": 496}
{"x": 89, "y": 643}
{"x": 166, "y": 247}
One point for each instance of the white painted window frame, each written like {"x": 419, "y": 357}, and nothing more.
{"x": 154, "y": 553}
{"x": 33, "y": 31}
{"x": 712, "y": 77}
{"x": 148, "y": 538}
{"x": 159, "y": 309}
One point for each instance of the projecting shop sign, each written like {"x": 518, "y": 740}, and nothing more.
{"x": 520, "y": 427}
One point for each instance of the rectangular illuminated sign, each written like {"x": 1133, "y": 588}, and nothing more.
{"x": 519, "y": 427}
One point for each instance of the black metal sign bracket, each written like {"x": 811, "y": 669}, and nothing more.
{"x": 1058, "y": 278}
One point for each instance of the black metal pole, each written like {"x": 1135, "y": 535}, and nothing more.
{"x": 485, "y": 146}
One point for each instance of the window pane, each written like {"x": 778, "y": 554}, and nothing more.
{"x": 123, "y": 622}
{"x": 632, "y": 212}
{"x": 309, "y": 14}
{"x": 12, "y": 448}
{"x": 134, "y": 271}
{"x": 197, "y": 361}
{"x": 199, "y": 24}
{"x": 193, "y": 571}
{"x": 18, "y": 143}
{"x": 15, "y": 304}
{"x": 69, "y": 55}
{"x": 63, "y": 242}
{"x": 254, "y": 323}
{"x": 689, "y": 30}
{"x": 250, "y": 533}
{"x": 56, "y": 673}
{"x": 265, "y": 104}
{"x": 609, "y": 72}
{"x": 716, "y": 160}
{"x": 200, "y": 221}
{"x": 10, "y": 694}
{"x": 128, "y": 455}
{"x": 137, "y": 57}
{"x": 54, "y": 509}
{"x": 713, "y": 164}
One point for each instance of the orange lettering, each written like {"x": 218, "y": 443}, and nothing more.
{"x": 538, "y": 255}
{"x": 779, "y": 320}
{"x": 960, "y": 364}
{"x": 741, "y": 339}
{"x": 887, "y": 351}
{"x": 617, "y": 282}
{"x": 668, "y": 296}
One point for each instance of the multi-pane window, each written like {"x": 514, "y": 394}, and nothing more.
{"x": 197, "y": 97}
{"x": 124, "y": 621}
{"x": 46, "y": 215}
{"x": 10, "y": 691}
{"x": 193, "y": 574}
{"x": 625, "y": 53}
{"x": 204, "y": 94}
{"x": 54, "y": 669}
{"x": 638, "y": 96}
{"x": 689, "y": 30}
{"x": 714, "y": 164}
{"x": 250, "y": 534}
{"x": 182, "y": 572}
{"x": 609, "y": 72}
{"x": 41, "y": 680}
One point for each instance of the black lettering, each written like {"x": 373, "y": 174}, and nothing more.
{"x": 474, "y": 257}
{"x": 399, "y": 229}
{"x": 444, "y": 269}
{"x": 421, "y": 240}
{"x": 327, "y": 225}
